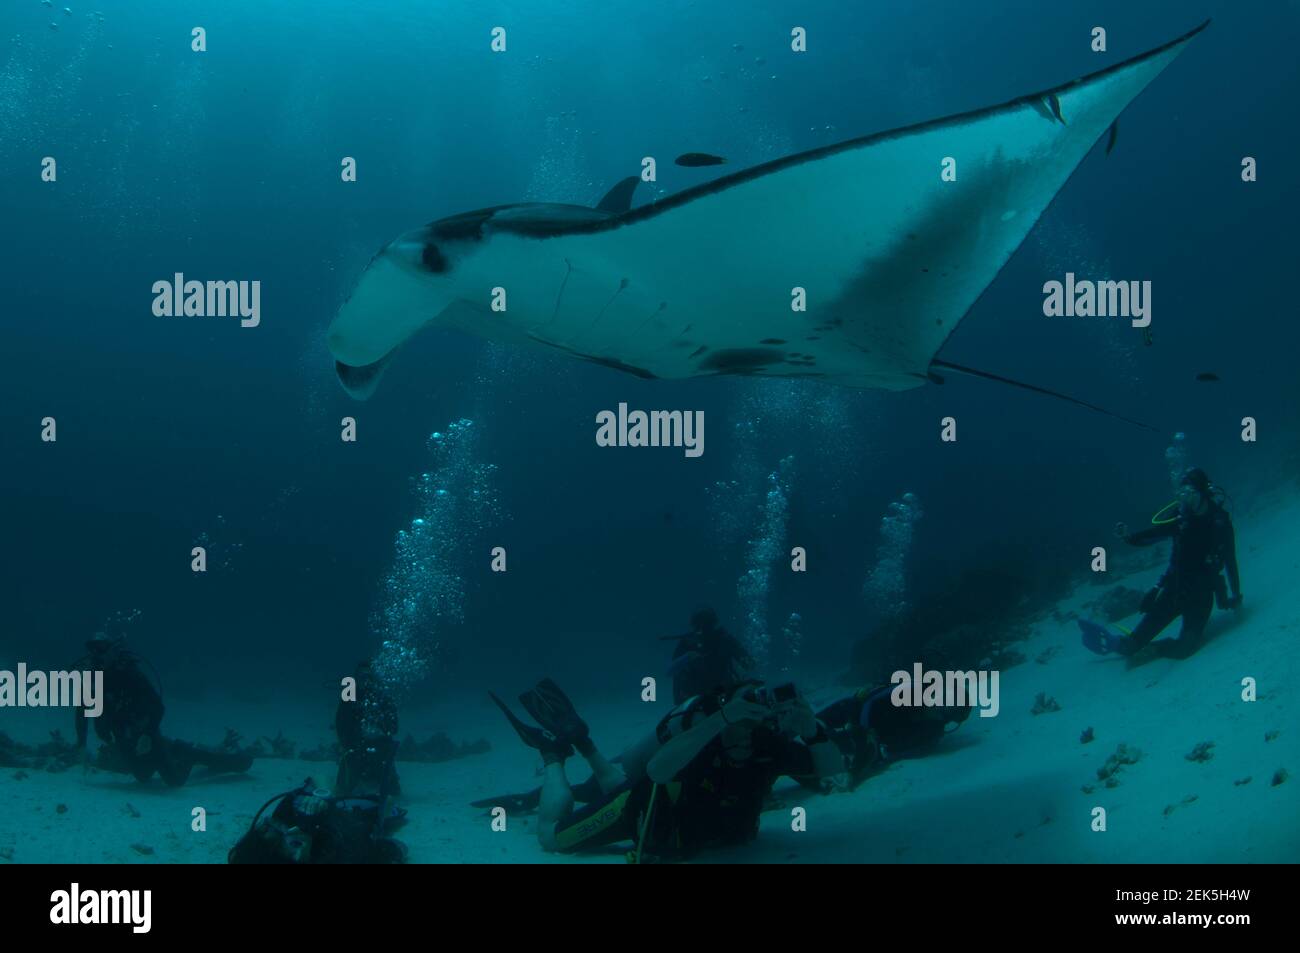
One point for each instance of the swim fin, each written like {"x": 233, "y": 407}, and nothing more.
{"x": 551, "y": 709}
{"x": 1098, "y": 638}
{"x": 553, "y": 749}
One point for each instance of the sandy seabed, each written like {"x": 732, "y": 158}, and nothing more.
{"x": 1003, "y": 789}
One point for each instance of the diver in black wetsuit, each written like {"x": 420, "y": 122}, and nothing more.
{"x": 870, "y": 730}
{"x": 311, "y": 826}
{"x": 706, "y": 661}
{"x": 131, "y": 718}
{"x": 1204, "y": 547}
{"x": 706, "y": 658}
{"x": 352, "y": 823}
{"x": 367, "y": 735}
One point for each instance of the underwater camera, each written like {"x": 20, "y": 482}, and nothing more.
{"x": 775, "y": 696}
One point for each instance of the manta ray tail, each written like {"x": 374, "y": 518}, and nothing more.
{"x": 946, "y": 365}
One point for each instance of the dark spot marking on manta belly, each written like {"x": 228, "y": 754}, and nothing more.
{"x": 741, "y": 360}
{"x": 813, "y": 337}
{"x": 432, "y": 259}
{"x": 698, "y": 351}
{"x": 771, "y": 341}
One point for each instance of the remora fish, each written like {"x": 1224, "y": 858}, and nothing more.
{"x": 693, "y": 159}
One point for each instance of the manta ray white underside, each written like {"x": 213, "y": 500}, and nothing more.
{"x": 889, "y": 254}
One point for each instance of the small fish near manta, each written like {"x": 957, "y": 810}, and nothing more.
{"x": 696, "y": 159}
{"x": 699, "y": 284}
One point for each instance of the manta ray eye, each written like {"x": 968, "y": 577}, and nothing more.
{"x": 432, "y": 259}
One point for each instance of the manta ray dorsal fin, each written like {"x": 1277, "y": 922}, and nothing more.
{"x": 619, "y": 199}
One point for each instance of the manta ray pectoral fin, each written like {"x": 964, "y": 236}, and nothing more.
{"x": 360, "y": 382}
{"x": 892, "y": 254}
{"x": 619, "y": 199}
{"x": 960, "y": 369}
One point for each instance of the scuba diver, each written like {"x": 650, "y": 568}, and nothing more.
{"x": 1204, "y": 547}
{"x": 312, "y": 826}
{"x": 131, "y": 718}
{"x": 706, "y": 658}
{"x": 351, "y": 824}
{"x": 870, "y": 731}
{"x": 366, "y": 729}
{"x": 700, "y": 780}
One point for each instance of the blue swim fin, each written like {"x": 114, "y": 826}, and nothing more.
{"x": 1098, "y": 638}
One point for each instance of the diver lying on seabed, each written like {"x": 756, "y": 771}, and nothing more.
{"x": 708, "y": 769}
{"x": 867, "y": 729}
{"x": 871, "y": 731}
{"x": 1204, "y": 547}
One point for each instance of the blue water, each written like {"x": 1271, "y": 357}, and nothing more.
{"x": 225, "y": 164}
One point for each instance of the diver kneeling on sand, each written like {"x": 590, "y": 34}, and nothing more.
{"x": 351, "y": 824}
{"x": 129, "y": 724}
{"x": 715, "y": 759}
{"x": 706, "y": 657}
{"x": 1204, "y": 547}
{"x": 366, "y": 728}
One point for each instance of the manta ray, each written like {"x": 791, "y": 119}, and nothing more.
{"x": 889, "y": 254}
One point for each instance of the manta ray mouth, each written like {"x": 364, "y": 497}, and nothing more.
{"x": 360, "y": 382}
